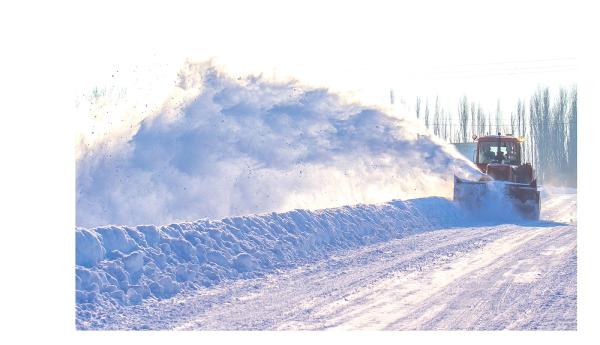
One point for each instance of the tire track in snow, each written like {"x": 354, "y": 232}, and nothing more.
{"x": 300, "y": 295}
{"x": 299, "y": 292}
{"x": 360, "y": 292}
{"x": 416, "y": 290}
{"x": 509, "y": 293}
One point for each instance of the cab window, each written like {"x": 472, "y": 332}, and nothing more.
{"x": 507, "y": 152}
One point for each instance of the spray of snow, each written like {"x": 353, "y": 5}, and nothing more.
{"x": 222, "y": 146}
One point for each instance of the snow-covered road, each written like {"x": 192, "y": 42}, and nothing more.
{"x": 509, "y": 276}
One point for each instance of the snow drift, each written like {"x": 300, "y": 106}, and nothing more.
{"x": 223, "y": 146}
{"x": 120, "y": 265}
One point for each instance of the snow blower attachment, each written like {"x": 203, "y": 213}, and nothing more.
{"x": 506, "y": 180}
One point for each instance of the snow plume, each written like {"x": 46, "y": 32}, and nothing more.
{"x": 223, "y": 146}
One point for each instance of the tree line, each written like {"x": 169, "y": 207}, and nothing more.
{"x": 547, "y": 122}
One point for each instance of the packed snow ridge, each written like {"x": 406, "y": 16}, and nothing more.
{"x": 224, "y": 146}
{"x": 120, "y": 265}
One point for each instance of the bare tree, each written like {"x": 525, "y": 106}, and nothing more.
{"x": 498, "y": 118}
{"x": 521, "y": 131}
{"x": 474, "y": 119}
{"x": 436, "y": 117}
{"x": 572, "y": 139}
{"x": 520, "y": 120}
{"x": 558, "y": 134}
{"x": 480, "y": 120}
{"x": 463, "y": 119}
{"x": 426, "y": 116}
{"x": 539, "y": 118}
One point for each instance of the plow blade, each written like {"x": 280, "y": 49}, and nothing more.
{"x": 475, "y": 195}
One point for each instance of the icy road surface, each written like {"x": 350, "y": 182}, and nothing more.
{"x": 510, "y": 276}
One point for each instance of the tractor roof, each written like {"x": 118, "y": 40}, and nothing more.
{"x": 495, "y": 138}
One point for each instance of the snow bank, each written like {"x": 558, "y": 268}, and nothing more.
{"x": 549, "y": 190}
{"x": 120, "y": 265}
{"x": 223, "y": 146}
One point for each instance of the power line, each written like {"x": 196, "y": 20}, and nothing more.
{"x": 511, "y": 62}
{"x": 500, "y": 73}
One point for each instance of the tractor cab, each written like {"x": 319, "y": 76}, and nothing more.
{"x": 499, "y": 156}
{"x": 497, "y": 149}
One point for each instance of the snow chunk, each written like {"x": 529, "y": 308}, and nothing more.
{"x": 87, "y": 248}
{"x": 217, "y": 258}
{"x": 133, "y": 296}
{"x": 134, "y": 262}
{"x": 244, "y": 263}
{"x": 115, "y": 238}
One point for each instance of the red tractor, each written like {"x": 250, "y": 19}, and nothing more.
{"x": 498, "y": 157}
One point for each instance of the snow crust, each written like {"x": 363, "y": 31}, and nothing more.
{"x": 121, "y": 265}
{"x": 224, "y": 146}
